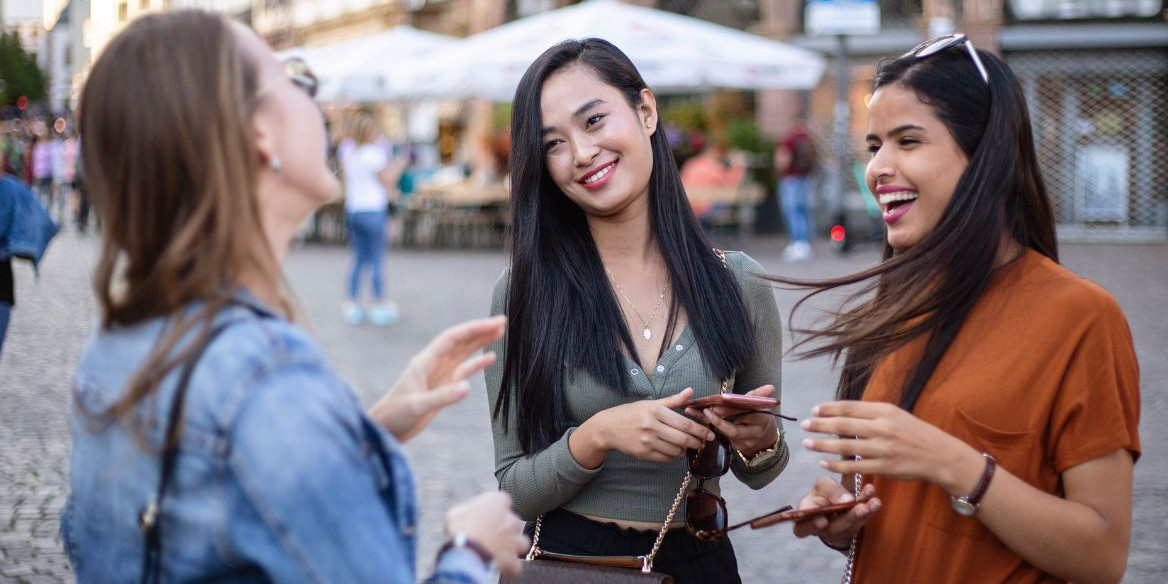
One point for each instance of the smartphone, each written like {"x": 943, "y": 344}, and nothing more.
{"x": 804, "y": 514}
{"x": 733, "y": 400}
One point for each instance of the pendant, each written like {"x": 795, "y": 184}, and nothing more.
{"x": 648, "y": 334}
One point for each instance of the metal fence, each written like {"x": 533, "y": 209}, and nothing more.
{"x": 1101, "y": 129}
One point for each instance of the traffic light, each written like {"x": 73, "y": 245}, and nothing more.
{"x": 22, "y": 102}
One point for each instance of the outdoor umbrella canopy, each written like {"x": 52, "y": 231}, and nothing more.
{"x": 674, "y": 53}
{"x": 370, "y": 68}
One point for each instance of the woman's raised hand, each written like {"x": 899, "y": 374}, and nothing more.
{"x": 649, "y": 429}
{"x": 893, "y": 443}
{"x": 437, "y": 376}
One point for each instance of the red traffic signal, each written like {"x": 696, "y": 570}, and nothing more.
{"x": 22, "y": 102}
{"x": 838, "y": 233}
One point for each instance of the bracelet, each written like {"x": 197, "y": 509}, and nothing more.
{"x": 461, "y": 541}
{"x": 838, "y": 549}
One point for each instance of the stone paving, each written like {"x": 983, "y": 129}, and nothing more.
{"x": 453, "y": 459}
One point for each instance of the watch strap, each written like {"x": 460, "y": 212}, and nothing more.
{"x": 461, "y": 541}
{"x": 983, "y": 484}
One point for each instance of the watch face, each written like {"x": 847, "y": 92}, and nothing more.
{"x": 962, "y": 506}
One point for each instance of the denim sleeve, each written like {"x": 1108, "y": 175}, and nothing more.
{"x": 766, "y": 365}
{"x": 300, "y": 459}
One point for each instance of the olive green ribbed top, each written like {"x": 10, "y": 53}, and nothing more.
{"x": 624, "y": 487}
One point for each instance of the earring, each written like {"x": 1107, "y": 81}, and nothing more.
{"x": 275, "y": 164}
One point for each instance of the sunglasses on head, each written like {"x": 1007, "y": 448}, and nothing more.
{"x": 301, "y": 76}
{"x": 933, "y": 46}
{"x": 705, "y": 513}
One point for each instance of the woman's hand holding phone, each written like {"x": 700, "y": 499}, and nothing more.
{"x": 748, "y": 434}
{"x": 836, "y": 531}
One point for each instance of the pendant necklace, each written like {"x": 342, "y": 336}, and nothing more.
{"x": 648, "y": 334}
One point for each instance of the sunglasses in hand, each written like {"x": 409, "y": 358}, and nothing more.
{"x": 706, "y": 516}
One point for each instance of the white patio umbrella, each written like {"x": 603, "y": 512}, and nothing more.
{"x": 674, "y": 53}
{"x": 370, "y": 68}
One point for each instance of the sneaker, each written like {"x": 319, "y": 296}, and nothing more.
{"x": 353, "y": 312}
{"x": 798, "y": 251}
{"x": 384, "y": 313}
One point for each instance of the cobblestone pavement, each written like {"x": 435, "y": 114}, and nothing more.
{"x": 453, "y": 459}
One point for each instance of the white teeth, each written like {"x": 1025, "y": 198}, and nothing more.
{"x": 887, "y": 198}
{"x": 598, "y": 175}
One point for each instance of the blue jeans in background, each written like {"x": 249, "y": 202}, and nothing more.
{"x": 367, "y": 236}
{"x": 795, "y": 193}
{"x": 5, "y": 314}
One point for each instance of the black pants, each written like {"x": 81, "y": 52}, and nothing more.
{"x": 687, "y": 559}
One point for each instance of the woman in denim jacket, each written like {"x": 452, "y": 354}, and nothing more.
{"x": 204, "y": 156}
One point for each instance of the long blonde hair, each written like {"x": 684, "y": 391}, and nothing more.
{"x": 172, "y": 168}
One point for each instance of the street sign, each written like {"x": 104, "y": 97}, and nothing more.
{"x": 841, "y": 17}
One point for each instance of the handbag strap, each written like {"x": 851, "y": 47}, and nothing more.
{"x": 148, "y": 518}
{"x": 849, "y": 570}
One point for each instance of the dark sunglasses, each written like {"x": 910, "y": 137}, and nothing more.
{"x": 301, "y": 76}
{"x": 705, "y": 513}
{"x": 933, "y": 46}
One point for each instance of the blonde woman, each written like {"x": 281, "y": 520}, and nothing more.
{"x": 369, "y": 173}
{"x": 204, "y": 417}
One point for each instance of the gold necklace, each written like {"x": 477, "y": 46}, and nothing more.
{"x": 648, "y": 334}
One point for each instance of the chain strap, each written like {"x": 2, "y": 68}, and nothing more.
{"x": 851, "y": 567}
{"x": 648, "y": 566}
{"x": 534, "y": 551}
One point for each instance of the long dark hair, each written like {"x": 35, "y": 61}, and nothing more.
{"x": 562, "y": 313}
{"x": 931, "y": 288}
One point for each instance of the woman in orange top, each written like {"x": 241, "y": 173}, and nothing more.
{"x": 989, "y": 397}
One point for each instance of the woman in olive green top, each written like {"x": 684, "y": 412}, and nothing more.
{"x": 619, "y": 312}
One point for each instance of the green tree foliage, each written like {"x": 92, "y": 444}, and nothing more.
{"x": 19, "y": 73}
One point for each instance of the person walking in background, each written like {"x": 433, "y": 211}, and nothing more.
{"x": 42, "y": 168}
{"x": 797, "y": 161}
{"x": 990, "y": 396}
{"x": 620, "y": 311}
{"x": 64, "y": 166}
{"x": 212, "y": 441}
{"x": 370, "y": 175}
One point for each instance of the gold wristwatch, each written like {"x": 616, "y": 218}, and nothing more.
{"x": 762, "y": 456}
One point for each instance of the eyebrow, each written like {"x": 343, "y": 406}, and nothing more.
{"x": 897, "y": 130}
{"x": 579, "y": 112}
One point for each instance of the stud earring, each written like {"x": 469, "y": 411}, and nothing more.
{"x": 275, "y": 164}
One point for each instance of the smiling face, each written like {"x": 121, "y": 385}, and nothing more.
{"x": 596, "y": 146}
{"x": 915, "y": 164}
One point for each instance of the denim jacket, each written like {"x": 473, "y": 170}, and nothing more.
{"x": 280, "y": 476}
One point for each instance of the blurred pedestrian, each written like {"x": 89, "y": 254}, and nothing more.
{"x": 715, "y": 167}
{"x": 79, "y": 187}
{"x": 25, "y": 232}
{"x": 797, "y": 161}
{"x": 64, "y": 166}
{"x": 991, "y": 396}
{"x": 42, "y": 167}
{"x": 370, "y": 174}
{"x": 212, "y": 441}
{"x": 620, "y": 311}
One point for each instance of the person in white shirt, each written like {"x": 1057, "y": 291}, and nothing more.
{"x": 368, "y": 171}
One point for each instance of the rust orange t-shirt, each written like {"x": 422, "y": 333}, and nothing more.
{"x": 1043, "y": 376}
